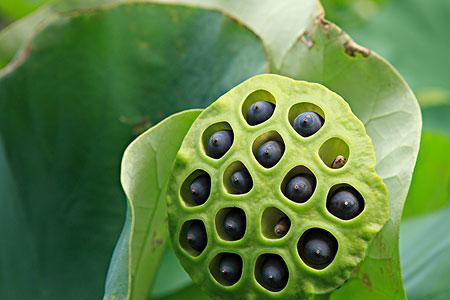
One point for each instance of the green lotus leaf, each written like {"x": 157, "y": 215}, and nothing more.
{"x": 431, "y": 177}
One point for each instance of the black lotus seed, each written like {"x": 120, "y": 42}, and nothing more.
{"x": 234, "y": 224}
{"x": 200, "y": 189}
{"x": 219, "y": 143}
{"x": 300, "y": 188}
{"x": 196, "y": 236}
{"x": 269, "y": 153}
{"x": 344, "y": 204}
{"x": 259, "y": 112}
{"x": 274, "y": 273}
{"x": 307, "y": 123}
{"x": 230, "y": 268}
{"x": 282, "y": 226}
{"x": 241, "y": 182}
{"x": 317, "y": 250}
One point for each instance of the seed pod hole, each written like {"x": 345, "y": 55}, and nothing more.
{"x": 344, "y": 202}
{"x": 231, "y": 223}
{"x": 226, "y": 268}
{"x": 268, "y": 149}
{"x": 237, "y": 179}
{"x": 193, "y": 237}
{"x": 217, "y": 139}
{"x": 299, "y": 184}
{"x": 271, "y": 272}
{"x": 196, "y": 189}
{"x": 274, "y": 223}
{"x": 334, "y": 153}
{"x": 258, "y": 107}
{"x": 317, "y": 248}
{"x": 306, "y": 118}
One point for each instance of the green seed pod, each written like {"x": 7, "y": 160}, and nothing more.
{"x": 289, "y": 249}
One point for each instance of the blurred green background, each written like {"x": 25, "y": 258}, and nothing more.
{"x": 413, "y": 36}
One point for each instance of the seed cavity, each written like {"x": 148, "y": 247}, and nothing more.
{"x": 317, "y": 248}
{"x": 306, "y": 118}
{"x": 237, "y": 179}
{"x": 345, "y": 202}
{"x": 268, "y": 149}
{"x": 334, "y": 153}
{"x": 275, "y": 224}
{"x": 258, "y": 107}
{"x": 226, "y": 268}
{"x": 271, "y": 272}
{"x": 193, "y": 237}
{"x": 231, "y": 223}
{"x": 307, "y": 123}
{"x": 217, "y": 139}
{"x": 299, "y": 184}
{"x": 196, "y": 189}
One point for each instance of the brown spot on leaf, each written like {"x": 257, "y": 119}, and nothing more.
{"x": 320, "y": 20}
{"x": 366, "y": 280}
{"x": 138, "y": 126}
{"x": 156, "y": 241}
{"x": 306, "y": 39}
{"x": 141, "y": 126}
{"x": 352, "y": 49}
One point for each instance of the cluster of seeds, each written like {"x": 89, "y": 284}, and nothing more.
{"x": 265, "y": 192}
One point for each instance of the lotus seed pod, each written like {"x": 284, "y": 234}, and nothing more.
{"x": 268, "y": 242}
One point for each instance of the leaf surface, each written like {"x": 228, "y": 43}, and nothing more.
{"x": 425, "y": 244}
{"x": 430, "y": 187}
{"x": 413, "y": 35}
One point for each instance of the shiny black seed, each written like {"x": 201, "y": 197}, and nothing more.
{"x": 307, "y": 123}
{"x": 259, "y": 112}
{"x": 200, "y": 189}
{"x": 234, "y": 224}
{"x": 196, "y": 236}
{"x": 274, "y": 273}
{"x": 345, "y": 204}
{"x": 230, "y": 268}
{"x": 269, "y": 153}
{"x": 219, "y": 143}
{"x": 241, "y": 182}
{"x": 317, "y": 248}
{"x": 300, "y": 188}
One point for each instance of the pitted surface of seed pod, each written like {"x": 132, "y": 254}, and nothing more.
{"x": 318, "y": 238}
